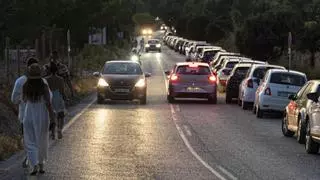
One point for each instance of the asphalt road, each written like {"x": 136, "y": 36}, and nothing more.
{"x": 185, "y": 140}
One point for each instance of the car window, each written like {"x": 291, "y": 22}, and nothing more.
{"x": 231, "y": 64}
{"x": 122, "y": 68}
{"x": 241, "y": 71}
{"x": 318, "y": 89}
{"x": 153, "y": 42}
{"x": 287, "y": 79}
{"x": 196, "y": 70}
{"x": 261, "y": 71}
{"x": 302, "y": 90}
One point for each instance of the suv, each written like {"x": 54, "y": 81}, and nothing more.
{"x": 153, "y": 45}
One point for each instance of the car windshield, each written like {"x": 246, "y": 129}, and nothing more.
{"x": 231, "y": 64}
{"x": 197, "y": 70}
{"x": 287, "y": 79}
{"x": 153, "y": 42}
{"x": 241, "y": 71}
{"x": 122, "y": 68}
{"x": 260, "y": 72}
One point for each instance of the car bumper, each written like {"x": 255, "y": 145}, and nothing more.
{"x": 183, "y": 92}
{"x": 153, "y": 48}
{"x": 108, "y": 93}
{"x": 273, "y": 103}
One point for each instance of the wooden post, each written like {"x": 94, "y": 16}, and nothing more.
{"x": 18, "y": 59}
{"x": 7, "y": 58}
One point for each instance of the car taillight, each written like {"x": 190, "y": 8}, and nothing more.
{"x": 212, "y": 78}
{"x": 250, "y": 83}
{"x": 174, "y": 77}
{"x": 267, "y": 91}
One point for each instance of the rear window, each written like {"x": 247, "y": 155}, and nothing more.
{"x": 241, "y": 71}
{"x": 260, "y": 72}
{"x": 288, "y": 79}
{"x": 187, "y": 70}
{"x": 210, "y": 53}
{"x": 231, "y": 64}
{"x": 153, "y": 42}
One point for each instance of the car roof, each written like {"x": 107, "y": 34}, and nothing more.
{"x": 268, "y": 65}
{"x": 243, "y": 65}
{"x": 287, "y": 71}
{"x": 187, "y": 63}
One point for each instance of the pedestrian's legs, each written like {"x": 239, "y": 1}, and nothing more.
{"x": 68, "y": 81}
{"x": 25, "y": 160}
{"x": 60, "y": 124}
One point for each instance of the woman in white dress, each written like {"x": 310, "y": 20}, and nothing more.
{"x": 36, "y": 120}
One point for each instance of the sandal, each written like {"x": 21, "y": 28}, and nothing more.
{"x": 34, "y": 171}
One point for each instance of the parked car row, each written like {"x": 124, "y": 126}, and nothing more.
{"x": 265, "y": 87}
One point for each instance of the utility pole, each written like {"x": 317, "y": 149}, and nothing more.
{"x": 289, "y": 49}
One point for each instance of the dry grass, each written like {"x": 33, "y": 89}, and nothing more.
{"x": 9, "y": 145}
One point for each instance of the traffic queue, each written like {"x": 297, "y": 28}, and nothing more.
{"x": 254, "y": 84}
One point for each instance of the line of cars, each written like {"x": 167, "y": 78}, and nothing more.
{"x": 264, "y": 87}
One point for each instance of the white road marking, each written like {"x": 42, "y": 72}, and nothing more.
{"x": 187, "y": 130}
{"x": 185, "y": 139}
{"x": 67, "y": 126}
{"x": 227, "y": 173}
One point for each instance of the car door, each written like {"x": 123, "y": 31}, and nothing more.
{"x": 315, "y": 116}
{"x": 293, "y": 106}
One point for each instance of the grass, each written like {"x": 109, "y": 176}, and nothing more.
{"x": 9, "y": 145}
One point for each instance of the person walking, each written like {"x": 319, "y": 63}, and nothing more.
{"x": 56, "y": 85}
{"x": 16, "y": 98}
{"x": 37, "y": 115}
{"x": 63, "y": 70}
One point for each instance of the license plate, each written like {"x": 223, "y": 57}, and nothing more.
{"x": 122, "y": 90}
{"x": 193, "y": 89}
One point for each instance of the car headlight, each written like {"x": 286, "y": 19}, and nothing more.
{"x": 144, "y": 31}
{"x": 149, "y": 31}
{"x": 141, "y": 83}
{"x": 158, "y": 45}
{"x": 102, "y": 83}
{"x": 147, "y": 45}
{"x": 134, "y": 58}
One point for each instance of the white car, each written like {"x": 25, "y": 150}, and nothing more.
{"x": 277, "y": 85}
{"x": 249, "y": 85}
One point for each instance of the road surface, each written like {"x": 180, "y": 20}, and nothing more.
{"x": 185, "y": 140}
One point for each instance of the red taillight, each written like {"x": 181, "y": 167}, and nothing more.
{"x": 174, "y": 77}
{"x": 212, "y": 78}
{"x": 267, "y": 91}
{"x": 250, "y": 83}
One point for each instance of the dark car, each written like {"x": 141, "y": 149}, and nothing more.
{"x": 236, "y": 76}
{"x": 153, "y": 45}
{"x": 121, "y": 80}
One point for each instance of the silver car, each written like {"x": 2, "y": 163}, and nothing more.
{"x": 191, "y": 80}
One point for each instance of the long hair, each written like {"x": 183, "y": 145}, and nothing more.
{"x": 33, "y": 90}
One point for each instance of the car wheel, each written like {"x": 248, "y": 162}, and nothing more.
{"x": 228, "y": 98}
{"x": 143, "y": 100}
{"x": 284, "y": 127}
{"x": 100, "y": 100}
{"x": 311, "y": 146}
{"x": 244, "y": 105}
{"x": 259, "y": 113}
{"x": 170, "y": 99}
{"x": 301, "y": 132}
{"x": 212, "y": 100}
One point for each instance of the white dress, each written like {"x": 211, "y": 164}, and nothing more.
{"x": 36, "y": 131}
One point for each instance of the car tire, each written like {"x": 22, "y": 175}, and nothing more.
{"x": 228, "y": 98}
{"x": 143, "y": 100}
{"x": 170, "y": 99}
{"x": 100, "y": 100}
{"x": 244, "y": 105}
{"x": 301, "y": 132}
{"x": 311, "y": 146}
{"x": 284, "y": 127}
{"x": 259, "y": 113}
{"x": 212, "y": 100}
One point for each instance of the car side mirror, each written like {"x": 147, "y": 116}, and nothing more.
{"x": 167, "y": 73}
{"x": 313, "y": 97}
{"x": 96, "y": 74}
{"x": 147, "y": 75}
{"x": 292, "y": 97}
